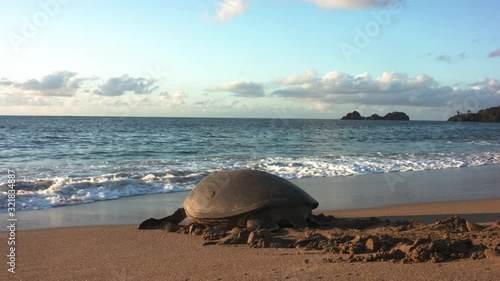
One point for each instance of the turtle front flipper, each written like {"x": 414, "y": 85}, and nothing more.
{"x": 153, "y": 223}
{"x": 259, "y": 221}
{"x": 324, "y": 220}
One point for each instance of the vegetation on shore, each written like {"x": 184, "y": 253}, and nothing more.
{"x": 491, "y": 114}
{"x": 389, "y": 116}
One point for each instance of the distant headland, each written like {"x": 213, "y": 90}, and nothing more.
{"x": 389, "y": 116}
{"x": 491, "y": 114}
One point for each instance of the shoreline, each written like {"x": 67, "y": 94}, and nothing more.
{"x": 484, "y": 212}
{"x": 333, "y": 194}
{"x": 481, "y": 211}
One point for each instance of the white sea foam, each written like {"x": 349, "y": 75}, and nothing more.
{"x": 115, "y": 180}
{"x": 486, "y": 143}
{"x": 67, "y": 191}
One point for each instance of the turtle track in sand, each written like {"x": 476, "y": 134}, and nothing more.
{"x": 366, "y": 240}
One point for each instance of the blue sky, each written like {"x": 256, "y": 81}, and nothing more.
{"x": 237, "y": 58}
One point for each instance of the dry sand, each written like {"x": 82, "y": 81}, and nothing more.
{"x": 126, "y": 253}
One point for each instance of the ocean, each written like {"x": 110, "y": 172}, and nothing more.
{"x": 60, "y": 161}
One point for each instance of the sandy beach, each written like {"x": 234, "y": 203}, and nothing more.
{"x": 126, "y": 253}
{"x": 122, "y": 252}
{"x": 249, "y": 140}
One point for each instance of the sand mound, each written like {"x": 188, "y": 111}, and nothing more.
{"x": 367, "y": 240}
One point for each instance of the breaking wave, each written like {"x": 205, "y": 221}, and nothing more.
{"x": 51, "y": 186}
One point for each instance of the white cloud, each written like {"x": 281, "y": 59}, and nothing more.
{"x": 175, "y": 99}
{"x": 349, "y": 4}
{"x": 241, "y": 89}
{"x": 228, "y": 9}
{"x": 49, "y": 95}
{"x": 59, "y": 83}
{"x": 215, "y": 104}
{"x": 308, "y": 94}
{"x": 117, "y": 86}
{"x": 309, "y": 76}
{"x": 39, "y": 101}
{"x": 224, "y": 107}
{"x": 5, "y": 82}
{"x": 391, "y": 88}
{"x": 336, "y": 82}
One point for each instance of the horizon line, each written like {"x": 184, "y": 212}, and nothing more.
{"x": 199, "y": 117}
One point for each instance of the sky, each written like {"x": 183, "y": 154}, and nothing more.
{"x": 248, "y": 58}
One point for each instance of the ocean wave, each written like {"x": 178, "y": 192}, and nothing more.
{"x": 484, "y": 143}
{"x": 44, "y": 187}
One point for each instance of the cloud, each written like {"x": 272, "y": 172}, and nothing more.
{"x": 241, "y": 89}
{"x": 228, "y": 9}
{"x": 391, "y": 88}
{"x": 482, "y": 95}
{"x": 336, "y": 82}
{"x": 349, "y": 4}
{"x": 52, "y": 81}
{"x": 444, "y": 58}
{"x": 309, "y": 76}
{"x": 495, "y": 53}
{"x": 5, "y": 82}
{"x": 13, "y": 100}
{"x": 220, "y": 106}
{"x": 307, "y": 92}
{"x": 451, "y": 59}
{"x": 145, "y": 101}
{"x": 117, "y": 86}
{"x": 49, "y": 95}
{"x": 59, "y": 83}
{"x": 175, "y": 99}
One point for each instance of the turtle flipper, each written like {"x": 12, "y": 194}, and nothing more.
{"x": 153, "y": 223}
{"x": 311, "y": 221}
{"x": 259, "y": 221}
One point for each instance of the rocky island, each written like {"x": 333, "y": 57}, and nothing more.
{"x": 491, "y": 114}
{"x": 389, "y": 116}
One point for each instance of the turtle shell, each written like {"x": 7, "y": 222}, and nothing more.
{"x": 231, "y": 193}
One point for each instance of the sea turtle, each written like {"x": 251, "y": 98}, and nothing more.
{"x": 244, "y": 198}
